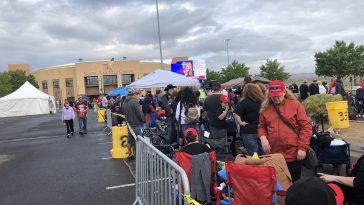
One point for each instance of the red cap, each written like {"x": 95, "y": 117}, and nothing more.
{"x": 339, "y": 195}
{"x": 276, "y": 88}
{"x": 362, "y": 85}
{"x": 224, "y": 99}
{"x": 193, "y": 130}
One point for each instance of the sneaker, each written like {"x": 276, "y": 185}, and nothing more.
{"x": 81, "y": 133}
{"x": 131, "y": 158}
{"x": 72, "y": 133}
{"x": 68, "y": 136}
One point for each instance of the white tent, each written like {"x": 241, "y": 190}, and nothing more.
{"x": 161, "y": 78}
{"x": 26, "y": 100}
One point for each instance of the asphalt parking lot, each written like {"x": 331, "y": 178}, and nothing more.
{"x": 39, "y": 165}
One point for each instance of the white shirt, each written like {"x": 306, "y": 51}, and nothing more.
{"x": 183, "y": 116}
{"x": 322, "y": 89}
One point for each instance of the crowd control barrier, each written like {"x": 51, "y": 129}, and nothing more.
{"x": 338, "y": 114}
{"x": 159, "y": 180}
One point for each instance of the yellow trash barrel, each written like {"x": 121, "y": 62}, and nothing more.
{"x": 338, "y": 114}
{"x": 119, "y": 142}
{"x": 101, "y": 115}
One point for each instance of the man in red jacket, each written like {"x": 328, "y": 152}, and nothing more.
{"x": 289, "y": 134}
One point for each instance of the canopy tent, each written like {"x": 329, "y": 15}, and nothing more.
{"x": 161, "y": 78}
{"x": 26, "y": 100}
{"x": 239, "y": 81}
{"x": 118, "y": 91}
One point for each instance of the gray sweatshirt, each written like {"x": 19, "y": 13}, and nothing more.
{"x": 133, "y": 112}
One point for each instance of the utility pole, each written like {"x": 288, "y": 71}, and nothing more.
{"x": 227, "y": 50}
{"x": 159, "y": 34}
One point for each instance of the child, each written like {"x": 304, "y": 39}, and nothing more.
{"x": 68, "y": 115}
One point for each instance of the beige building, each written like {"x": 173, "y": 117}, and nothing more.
{"x": 91, "y": 78}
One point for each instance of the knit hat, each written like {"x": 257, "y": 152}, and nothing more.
{"x": 311, "y": 191}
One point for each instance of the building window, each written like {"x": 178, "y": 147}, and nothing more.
{"x": 127, "y": 78}
{"x": 110, "y": 80}
{"x": 45, "y": 85}
{"x": 91, "y": 81}
{"x": 69, "y": 83}
{"x": 55, "y": 83}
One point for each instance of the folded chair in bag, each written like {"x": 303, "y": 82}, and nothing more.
{"x": 251, "y": 184}
{"x": 274, "y": 160}
{"x": 184, "y": 160}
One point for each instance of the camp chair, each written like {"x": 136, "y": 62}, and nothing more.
{"x": 184, "y": 160}
{"x": 250, "y": 184}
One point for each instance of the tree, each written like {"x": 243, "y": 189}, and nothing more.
{"x": 272, "y": 70}
{"x": 213, "y": 75}
{"x": 234, "y": 70}
{"x": 340, "y": 60}
{"x": 12, "y": 80}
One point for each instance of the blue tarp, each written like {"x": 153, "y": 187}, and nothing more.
{"x": 118, "y": 91}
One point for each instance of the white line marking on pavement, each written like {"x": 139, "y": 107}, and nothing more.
{"x": 104, "y": 143}
{"x": 120, "y": 186}
{"x": 30, "y": 138}
{"x": 107, "y": 158}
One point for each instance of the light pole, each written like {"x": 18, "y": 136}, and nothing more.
{"x": 159, "y": 34}
{"x": 227, "y": 49}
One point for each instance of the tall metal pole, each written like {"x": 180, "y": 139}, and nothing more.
{"x": 159, "y": 34}
{"x": 227, "y": 50}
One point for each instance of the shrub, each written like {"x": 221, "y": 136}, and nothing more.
{"x": 316, "y": 104}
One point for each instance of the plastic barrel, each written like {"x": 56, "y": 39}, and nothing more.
{"x": 101, "y": 115}
{"x": 119, "y": 142}
{"x": 338, "y": 114}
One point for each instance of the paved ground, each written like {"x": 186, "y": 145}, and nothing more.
{"x": 39, "y": 165}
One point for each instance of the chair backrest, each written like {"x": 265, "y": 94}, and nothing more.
{"x": 251, "y": 184}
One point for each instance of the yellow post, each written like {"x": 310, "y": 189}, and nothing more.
{"x": 101, "y": 115}
{"x": 338, "y": 114}
{"x": 119, "y": 142}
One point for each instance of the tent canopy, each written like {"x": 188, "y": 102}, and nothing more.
{"x": 240, "y": 81}
{"x": 118, "y": 91}
{"x": 161, "y": 78}
{"x": 26, "y": 100}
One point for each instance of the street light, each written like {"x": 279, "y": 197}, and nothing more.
{"x": 227, "y": 49}
{"x": 159, "y": 34}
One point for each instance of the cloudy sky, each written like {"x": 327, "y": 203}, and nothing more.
{"x": 52, "y": 32}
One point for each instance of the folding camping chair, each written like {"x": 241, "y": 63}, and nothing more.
{"x": 245, "y": 180}
{"x": 184, "y": 160}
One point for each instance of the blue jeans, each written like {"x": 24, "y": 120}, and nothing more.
{"x": 252, "y": 143}
{"x": 137, "y": 131}
{"x": 82, "y": 124}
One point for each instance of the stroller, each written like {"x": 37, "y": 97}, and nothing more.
{"x": 327, "y": 152}
{"x": 159, "y": 141}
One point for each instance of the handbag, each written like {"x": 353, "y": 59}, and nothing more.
{"x": 310, "y": 160}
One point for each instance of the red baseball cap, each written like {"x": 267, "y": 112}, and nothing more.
{"x": 339, "y": 195}
{"x": 276, "y": 88}
{"x": 224, "y": 99}
{"x": 193, "y": 130}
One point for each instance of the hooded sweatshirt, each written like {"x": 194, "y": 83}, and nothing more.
{"x": 133, "y": 112}
{"x": 68, "y": 113}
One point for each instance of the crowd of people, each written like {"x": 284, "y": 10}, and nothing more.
{"x": 267, "y": 118}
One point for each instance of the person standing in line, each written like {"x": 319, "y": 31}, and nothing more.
{"x": 359, "y": 96}
{"x": 313, "y": 89}
{"x": 293, "y": 88}
{"x": 322, "y": 89}
{"x": 167, "y": 96}
{"x": 68, "y": 115}
{"x": 81, "y": 110}
{"x": 304, "y": 91}
{"x": 246, "y": 114}
{"x": 134, "y": 117}
{"x": 284, "y": 127}
{"x": 340, "y": 87}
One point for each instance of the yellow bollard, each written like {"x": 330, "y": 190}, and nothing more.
{"x": 119, "y": 142}
{"x": 94, "y": 108}
{"x": 101, "y": 115}
{"x": 338, "y": 114}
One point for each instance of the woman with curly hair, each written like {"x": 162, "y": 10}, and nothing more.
{"x": 188, "y": 110}
{"x": 284, "y": 127}
{"x": 246, "y": 114}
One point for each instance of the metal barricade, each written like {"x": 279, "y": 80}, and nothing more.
{"x": 159, "y": 180}
{"x": 108, "y": 122}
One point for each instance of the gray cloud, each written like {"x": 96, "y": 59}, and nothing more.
{"x": 44, "y": 33}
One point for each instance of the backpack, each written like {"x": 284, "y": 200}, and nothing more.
{"x": 192, "y": 116}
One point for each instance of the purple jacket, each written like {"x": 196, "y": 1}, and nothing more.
{"x": 68, "y": 114}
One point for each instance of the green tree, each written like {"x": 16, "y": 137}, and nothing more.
{"x": 340, "y": 60}
{"x": 234, "y": 70}
{"x": 212, "y": 75}
{"x": 12, "y": 80}
{"x": 272, "y": 70}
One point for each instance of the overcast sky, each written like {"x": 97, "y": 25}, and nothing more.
{"x": 52, "y": 32}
